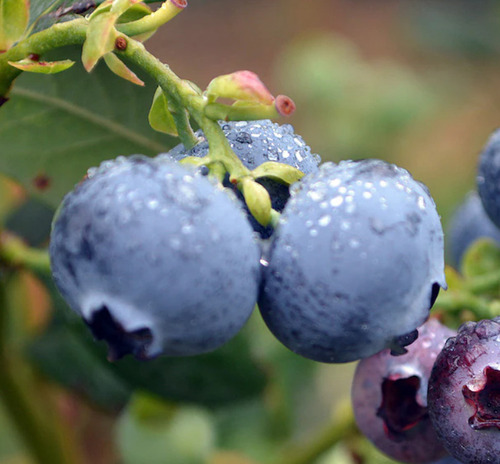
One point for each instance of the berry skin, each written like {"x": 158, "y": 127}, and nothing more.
{"x": 157, "y": 260}
{"x": 488, "y": 177}
{"x": 256, "y": 142}
{"x": 469, "y": 223}
{"x": 355, "y": 264}
{"x": 389, "y": 395}
{"x": 464, "y": 393}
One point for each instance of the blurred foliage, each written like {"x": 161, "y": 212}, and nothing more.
{"x": 351, "y": 107}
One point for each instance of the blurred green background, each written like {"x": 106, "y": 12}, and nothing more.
{"x": 414, "y": 82}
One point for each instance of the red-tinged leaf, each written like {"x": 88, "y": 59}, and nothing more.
{"x": 42, "y": 67}
{"x": 101, "y": 36}
{"x": 240, "y": 85}
{"x": 160, "y": 117}
{"x": 14, "y": 17}
{"x": 120, "y": 69}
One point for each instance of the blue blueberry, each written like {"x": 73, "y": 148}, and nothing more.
{"x": 488, "y": 177}
{"x": 389, "y": 397}
{"x": 469, "y": 223}
{"x": 355, "y": 264}
{"x": 156, "y": 259}
{"x": 464, "y": 393}
{"x": 256, "y": 142}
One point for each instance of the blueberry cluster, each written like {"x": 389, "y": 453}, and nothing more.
{"x": 159, "y": 258}
{"x": 443, "y": 396}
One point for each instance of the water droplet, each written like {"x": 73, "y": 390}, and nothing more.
{"x": 383, "y": 183}
{"x": 336, "y": 201}
{"x": 354, "y": 243}
{"x": 421, "y": 202}
{"x": 345, "y": 225}
{"x": 315, "y": 195}
{"x": 285, "y": 154}
{"x": 272, "y": 155}
{"x": 264, "y": 262}
{"x": 309, "y": 224}
{"x": 324, "y": 221}
{"x": 367, "y": 195}
{"x": 313, "y": 232}
{"x": 298, "y": 156}
{"x": 335, "y": 182}
{"x": 153, "y": 204}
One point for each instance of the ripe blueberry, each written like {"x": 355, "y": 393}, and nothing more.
{"x": 488, "y": 177}
{"x": 256, "y": 142}
{"x": 389, "y": 396}
{"x": 355, "y": 264}
{"x": 469, "y": 223}
{"x": 157, "y": 260}
{"x": 464, "y": 393}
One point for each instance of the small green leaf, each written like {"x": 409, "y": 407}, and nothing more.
{"x": 482, "y": 257}
{"x": 280, "y": 172}
{"x": 172, "y": 434}
{"x": 42, "y": 67}
{"x": 14, "y": 17}
{"x": 120, "y": 69}
{"x": 160, "y": 117}
{"x": 258, "y": 200}
{"x": 240, "y": 85}
{"x": 453, "y": 279}
{"x": 101, "y": 36}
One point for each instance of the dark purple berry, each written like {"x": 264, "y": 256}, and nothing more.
{"x": 389, "y": 396}
{"x": 464, "y": 393}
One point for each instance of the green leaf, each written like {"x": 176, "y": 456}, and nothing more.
{"x": 175, "y": 435}
{"x": 258, "y": 201}
{"x": 58, "y": 126}
{"x": 120, "y": 69}
{"x": 160, "y": 117}
{"x": 482, "y": 257}
{"x": 42, "y": 67}
{"x": 101, "y": 36}
{"x": 280, "y": 172}
{"x": 14, "y": 16}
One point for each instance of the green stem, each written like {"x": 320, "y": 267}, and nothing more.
{"x": 58, "y": 35}
{"x": 26, "y": 414}
{"x": 333, "y": 433}
{"x": 181, "y": 93}
{"x": 151, "y": 22}
{"x": 14, "y": 252}
{"x": 240, "y": 113}
{"x": 185, "y": 96}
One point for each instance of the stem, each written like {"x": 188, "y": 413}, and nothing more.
{"x": 58, "y": 35}
{"x": 183, "y": 95}
{"x": 14, "y": 252}
{"x": 240, "y": 113}
{"x": 169, "y": 10}
{"x": 26, "y": 414}
{"x": 334, "y": 432}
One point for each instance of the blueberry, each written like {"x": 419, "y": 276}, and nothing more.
{"x": 488, "y": 177}
{"x": 156, "y": 259}
{"x": 389, "y": 396}
{"x": 355, "y": 264}
{"x": 469, "y": 223}
{"x": 256, "y": 142}
{"x": 464, "y": 393}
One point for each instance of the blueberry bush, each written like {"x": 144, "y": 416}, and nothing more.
{"x": 175, "y": 261}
